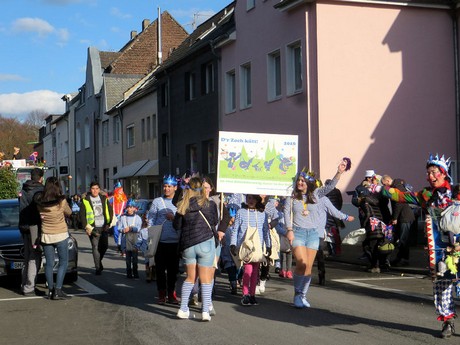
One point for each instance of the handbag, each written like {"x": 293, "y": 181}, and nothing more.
{"x": 386, "y": 248}
{"x": 154, "y": 239}
{"x": 285, "y": 246}
{"x": 154, "y": 234}
{"x": 450, "y": 218}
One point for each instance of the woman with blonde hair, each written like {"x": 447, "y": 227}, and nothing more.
{"x": 196, "y": 217}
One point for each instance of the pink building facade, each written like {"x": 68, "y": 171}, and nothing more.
{"x": 373, "y": 81}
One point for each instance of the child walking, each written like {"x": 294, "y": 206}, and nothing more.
{"x": 251, "y": 214}
{"x": 129, "y": 225}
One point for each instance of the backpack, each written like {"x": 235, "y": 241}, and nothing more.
{"x": 450, "y": 218}
{"x": 251, "y": 248}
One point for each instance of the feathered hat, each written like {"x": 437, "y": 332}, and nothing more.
{"x": 441, "y": 162}
{"x": 170, "y": 179}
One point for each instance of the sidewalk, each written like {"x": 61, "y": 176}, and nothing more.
{"x": 418, "y": 263}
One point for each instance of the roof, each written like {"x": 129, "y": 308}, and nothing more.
{"x": 288, "y": 4}
{"x": 115, "y": 85}
{"x": 207, "y": 32}
{"x": 107, "y": 58}
{"x": 138, "y": 168}
{"x": 140, "y": 54}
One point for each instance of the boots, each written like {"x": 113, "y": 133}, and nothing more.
{"x": 172, "y": 298}
{"x": 162, "y": 297}
{"x": 59, "y": 294}
{"x": 322, "y": 278}
{"x": 233, "y": 288}
{"x": 447, "y": 328}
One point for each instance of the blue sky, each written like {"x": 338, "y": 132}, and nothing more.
{"x": 43, "y": 43}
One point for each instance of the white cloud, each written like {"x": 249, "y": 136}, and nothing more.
{"x": 40, "y": 26}
{"x": 20, "y": 105}
{"x": 11, "y": 77}
{"x": 114, "y": 11}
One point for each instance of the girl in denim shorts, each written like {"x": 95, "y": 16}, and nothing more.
{"x": 304, "y": 212}
{"x": 196, "y": 217}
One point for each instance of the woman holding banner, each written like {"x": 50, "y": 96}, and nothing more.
{"x": 303, "y": 214}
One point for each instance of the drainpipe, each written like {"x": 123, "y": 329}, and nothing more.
{"x": 160, "y": 53}
{"x": 457, "y": 86}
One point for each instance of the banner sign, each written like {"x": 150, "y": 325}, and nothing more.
{"x": 256, "y": 163}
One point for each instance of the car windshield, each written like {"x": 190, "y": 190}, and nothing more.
{"x": 9, "y": 216}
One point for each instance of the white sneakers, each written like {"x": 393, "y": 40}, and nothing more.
{"x": 183, "y": 314}
{"x": 212, "y": 311}
{"x": 205, "y": 316}
{"x": 260, "y": 289}
{"x": 186, "y": 315}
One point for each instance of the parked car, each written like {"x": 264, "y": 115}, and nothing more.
{"x": 12, "y": 245}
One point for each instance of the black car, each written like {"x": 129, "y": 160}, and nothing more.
{"x": 12, "y": 246}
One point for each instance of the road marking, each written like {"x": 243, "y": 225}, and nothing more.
{"x": 83, "y": 284}
{"x": 88, "y": 287}
{"x": 356, "y": 282}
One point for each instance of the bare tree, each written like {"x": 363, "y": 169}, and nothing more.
{"x": 36, "y": 118}
{"x": 15, "y": 133}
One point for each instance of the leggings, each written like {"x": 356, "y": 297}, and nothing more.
{"x": 250, "y": 277}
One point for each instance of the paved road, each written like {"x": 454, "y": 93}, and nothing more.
{"x": 354, "y": 307}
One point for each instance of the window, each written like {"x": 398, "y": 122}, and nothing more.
{"x": 165, "y": 144}
{"x": 230, "y": 91}
{"x": 87, "y": 135}
{"x": 106, "y": 179}
{"x": 65, "y": 152}
{"x": 143, "y": 130}
{"x": 116, "y": 129}
{"x": 154, "y": 126}
{"x": 192, "y": 157}
{"x": 190, "y": 80}
{"x": 164, "y": 94}
{"x": 245, "y": 86}
{"x": 207, "y": 78}
{"x": 130, "y": 136}
{"x": 250, "y": 4}
{"x": 105, "y": 133}
{"x": 274, "y": 75}
{"x": 148, "y": 128}
{"x": 210, "y": 157}
{"x": 294, "y": 68}
{"x": 78, "y": 138}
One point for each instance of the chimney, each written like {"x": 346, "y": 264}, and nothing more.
{"x": 145, "y": 23}
{"x": 133, "y": 34}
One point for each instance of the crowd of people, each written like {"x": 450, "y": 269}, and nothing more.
{"x": 241, "y": 234}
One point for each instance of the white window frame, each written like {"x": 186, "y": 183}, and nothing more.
{"x": 230, "y": 91}
{"x": 105, "y": 133}
{"x": 87, "y": 134}
{"x": 78, "y": 138}
{"x": 294, "y": 68}
{"x": 245, "y": 86}
{"x": 116, "y": 129}
{"x": 130, "y": 137}
{"x": 274, "y": 75}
